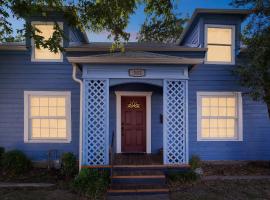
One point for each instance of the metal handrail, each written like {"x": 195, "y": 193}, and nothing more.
{"x": 111, "y": 149}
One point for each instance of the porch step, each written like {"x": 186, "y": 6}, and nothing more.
{"x": 139, "y": 179}
{"x": 137, "y": 191}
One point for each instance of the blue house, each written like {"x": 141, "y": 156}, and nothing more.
{"x": 171, "y": 100}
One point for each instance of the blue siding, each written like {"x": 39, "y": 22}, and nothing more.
{"x": 256, "y": 124}
{"x": 17, "y": 74}
{"x": 157, "y": 109}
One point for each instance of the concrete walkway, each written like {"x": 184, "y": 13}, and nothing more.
{"x": 235, "y": 177}
{"x": 25, "y": 185}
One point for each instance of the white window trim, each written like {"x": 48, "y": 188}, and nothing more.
{"x": 27, "y": 137}
{"x": 239, "y": 112}
{"x": 148, "y": 95}
{"x": 33, "y": 59}
{"x": 206, "y": 26}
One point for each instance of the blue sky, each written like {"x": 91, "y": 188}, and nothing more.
{"x": 185, "y": 7}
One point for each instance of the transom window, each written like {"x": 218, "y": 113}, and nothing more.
{"x": 219, "y": 116}
{"x": 47, "y": 116}
{"x": 42, "y": 54}
{"x": 220, "y": 44}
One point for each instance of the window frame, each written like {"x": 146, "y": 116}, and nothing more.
{"x": 239, "y": 110}
{"x": 33, "y": 58}
{"x": 206, "y": 26}
{"x": 27, "y": 131}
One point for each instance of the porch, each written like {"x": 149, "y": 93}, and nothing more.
{"x": 120, "y": 115}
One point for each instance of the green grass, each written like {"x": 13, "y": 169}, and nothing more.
{"x": 215, "y": 190}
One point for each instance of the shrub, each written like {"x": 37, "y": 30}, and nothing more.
{"x": 2, "y": 151}
{"x": 68, "y": 165}
{"x": 15, "y": 162}
{"x": 195, "y": 162}
{"x": 92, "y": 182}
{"x": 183, "y": 177}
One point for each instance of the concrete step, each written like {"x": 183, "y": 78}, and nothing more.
{"x": 115, "y": 192}
{"x": 140, "y": 179}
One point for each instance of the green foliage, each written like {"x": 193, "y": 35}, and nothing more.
{"x": 92, "y": 182}
{"x": 254, "y": 71}
{"x": 2, "y": 151}
{"x": 195, "y": 162}
{"x": 162, "y": 24}
{"x": 15, "y": 163}
{"x": 111, "y": 16}
{"x": 68, "y": 165}
{"x": 183, "y": 177}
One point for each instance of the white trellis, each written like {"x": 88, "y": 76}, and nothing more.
{"x": 95, "y": 133}
{"x": 175, "y": 124}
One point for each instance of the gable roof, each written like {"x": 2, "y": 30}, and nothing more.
{"x": 134, "y": 58}
{"x": 199, "y": 11}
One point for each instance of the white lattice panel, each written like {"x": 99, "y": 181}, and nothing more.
{"x": 95, "y": 136}
{"x": 174, "y": 121}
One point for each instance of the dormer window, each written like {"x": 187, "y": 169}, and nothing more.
{"x": 219, "y": 39}
{"x": 41, "y": 54}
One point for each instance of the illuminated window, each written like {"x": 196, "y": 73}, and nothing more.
{"x": 220, "y": 44}
{"x": 42, "y": 54}
{"x": 219, "y": 116}
{"x": 47, "y": 116}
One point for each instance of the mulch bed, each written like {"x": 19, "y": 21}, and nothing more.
{"x": 236, "y": 168}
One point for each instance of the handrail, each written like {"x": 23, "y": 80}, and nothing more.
{"x": 112, "y": 154}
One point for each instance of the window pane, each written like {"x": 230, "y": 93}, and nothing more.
{"x": 205, "y": 133}
{"x": 205, "y": 101}
{"x": 214, "y": 111}
{"x": 219, "y": 36}
{"x": 206, "y": 111}
{"x": 35, "y": 111}
{"x": 205, "y": 123}
{"x": 219, "y": 53}
{"x": 34, "y": 101}
{"x": 46, "y": 32}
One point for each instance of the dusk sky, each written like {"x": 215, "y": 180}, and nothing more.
{"x": 185, "y": 7}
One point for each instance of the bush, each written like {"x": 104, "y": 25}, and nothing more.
{"x": 183, "y": 177}
{"x": 68, "y": 165}
{"x": 2, "y": 151}
{"x": 15, "y": 162}
{"x": 195, "y": 162}
{"x": 92, "y": 182}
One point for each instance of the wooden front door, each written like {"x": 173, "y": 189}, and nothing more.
{"x": 133, "y": 124}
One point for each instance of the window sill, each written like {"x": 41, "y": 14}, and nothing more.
{"x": 220, "y": 140}
{"x": 48, "y": 141}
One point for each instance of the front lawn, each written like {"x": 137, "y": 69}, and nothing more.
{"x": 215, "y": 190}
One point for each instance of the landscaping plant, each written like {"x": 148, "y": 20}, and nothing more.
{"x": 15, "y": 163}
{"x": 69, "y": 165}
{"x": 92, "y": 183}
{"x": 195, "y": 162}
{"x": 2, "y": 151}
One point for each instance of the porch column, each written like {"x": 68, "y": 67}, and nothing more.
{"x": 96, "y": 122}
{"x": 175, "y": 121}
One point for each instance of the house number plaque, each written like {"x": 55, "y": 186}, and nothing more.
{"x": 136, "y": 72}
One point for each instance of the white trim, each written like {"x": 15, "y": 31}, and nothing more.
{"x": 238, "y": 95}
{"x": 148, "y": 95}
{"x": 206, "y": 26}
{"x": 27, "y": 94}
{"x": 33, "y": 59}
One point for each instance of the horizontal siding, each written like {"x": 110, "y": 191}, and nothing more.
{"x": 18, "y": 74}
{"x": 256, "y": 124}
